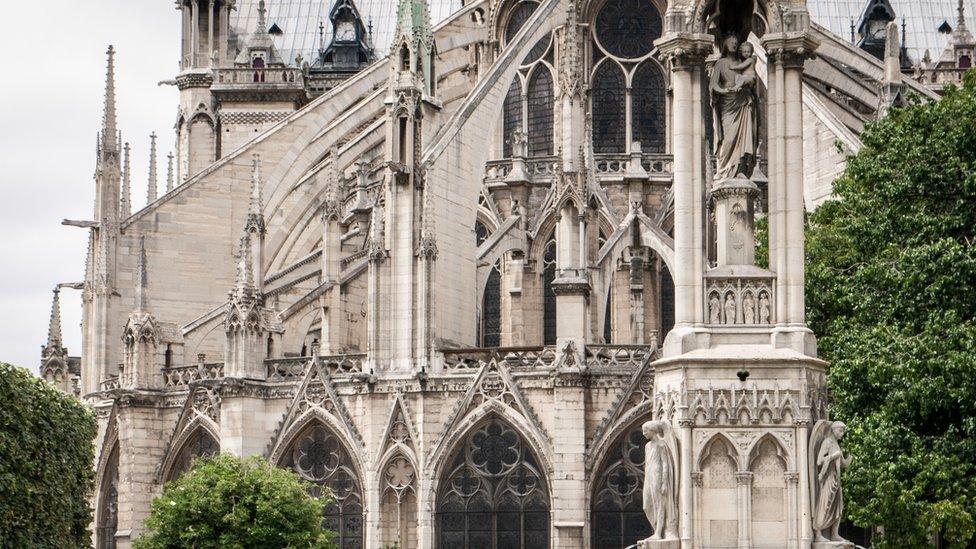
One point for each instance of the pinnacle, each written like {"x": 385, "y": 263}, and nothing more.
{"x": 54, "y": 325}
{"x": 152, "y": 192}
{"x": 125, "y": 202}
{"x": 109, "y": 125}
{"x": 142, "y": 289}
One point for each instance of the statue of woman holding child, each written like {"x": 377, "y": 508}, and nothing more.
{"x": 735, "y": 105}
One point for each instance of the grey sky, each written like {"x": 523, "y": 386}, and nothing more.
{"x": 50, "y": 110}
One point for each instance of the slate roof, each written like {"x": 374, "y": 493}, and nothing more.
{"x": 299, "y": 22}
{"x": 922, "y": 20}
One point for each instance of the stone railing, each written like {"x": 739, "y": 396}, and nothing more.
{"x": 288, "y": 369}
{"x": 470, "y": 360}
{"x": 351, "y": 363}
{"x": 251, "y": 76}
{"x": 607, "y": 166}
{"x": 619, "y": 357}
{"x": 746, "y": 298}
{"x": 615, "y": 164}
{"x": 181, "y": 376}
{"x": 110, "y": 383}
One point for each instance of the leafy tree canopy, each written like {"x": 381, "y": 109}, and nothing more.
{"x": 891, "y": 293}
{"x": 46, "y": 472}
{"x": 229, "y": 502}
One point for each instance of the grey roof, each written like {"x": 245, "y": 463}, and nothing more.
{"x": 922, "y": 19}
{"x": 299, "y": 22}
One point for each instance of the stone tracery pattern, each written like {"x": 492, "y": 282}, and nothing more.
{"x": 319, "y": 457}
{"x": 616, "y": 513}
{"x": 493, "y": 493}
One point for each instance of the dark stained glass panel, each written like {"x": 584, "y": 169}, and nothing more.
{"x": 518, "y": 18}
{"x": 540, "y": 115}
{"x": 200, "y": 444}
{"x": 493, "y": 495}
{"x": 491, "y": 310}
{"x": 648, "y": 107}
{"x": 512, "y": 114}
{"x": 108, "y": 503}
{"x": 617, "y": 512}
{"x": 609, "y": 94}
{"x": 548, "y": 296}
{"x": 628, "y": 28}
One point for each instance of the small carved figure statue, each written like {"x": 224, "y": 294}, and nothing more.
{"x": 714, "y": 309}
{"x": 749, "y": 308}
{"x": 660, "y": 480}
{"x": 826, "y": 462}
{"x": 730, "y": 308}
{"x": 764, "y": 308}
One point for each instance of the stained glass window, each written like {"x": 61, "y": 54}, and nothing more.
{"x": 480, "y": 233}
{"x": 491, "y": 311}
{"x": 609, "y": 110}
{"x": 318, "y": 456}
{"x": 540, "y": 99}
{"x": 520, "y": 15}
{"x": 648, "y": 107}
{"x": 493, "y": 494}
{"x": 667, "y": 302}
{"x": 108, "y": 503}
{"x": 512, "y": 113}
{"x": 537, "y": 50}
{"x": 548, "y": 296}
{"x": 200, "y": 444}
{"x": 617, "y": 512}
{"x": 608, "y": 319}
{"x": 628, "y": 28}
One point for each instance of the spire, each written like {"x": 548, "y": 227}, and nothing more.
{"x": 961, "y": 17}
{"x": 152, "y": 192}
{"x": 142, "y": 286}
{"x": 414, "y": 32}
{"x": 255, "y": 220}
{"x": 244, "y": 289}
{"x": 109, "y": 126}
{"x": 169, "y": 171}
{"x": 125, "y": 202}
{"x": 54, "y": 325}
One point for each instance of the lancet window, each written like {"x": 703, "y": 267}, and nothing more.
{"x": 200, "y": 444}
{"x": 108, "y": 503}
{"x": 617, "y": 512}
{"x": 528, "y": 107}
{"x": 491, "y": 309}
{"x": 319, "y": 457}
{"x": 492, "y": 493}
{"x": 548, "y": 296}
{"x": 627, "y": 84}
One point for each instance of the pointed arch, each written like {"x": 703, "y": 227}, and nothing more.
{"x": 320, "y": 456}
{"x": 491, "y": 309}
{"x": 539, "y": 111}
{"x": 548, "y": 295}
{"x": 769, "y": 492}
{"x": 718, "y": 464}
{"x": 608, "y": 97}
{"x": 492, "y": 490}
{"x": 511, "y": 117}
{"x": 198, "y": 440}
{"x": 649, "y": 119}
{"x": 107, "y": 510}
{"x": 616, "y": 505}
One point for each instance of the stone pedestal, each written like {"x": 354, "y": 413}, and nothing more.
{"x": 734, "y": 219}
{"x": 659, "y": 544}
{"x": 833, "y": 545}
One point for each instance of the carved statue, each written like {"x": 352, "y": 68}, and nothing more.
{"x": 661, "y": 480}
{"x": 735, "y": 105}
{"x": 826, "y": 462}
{"x": 764, "y": 308}
{"x": 749, "y": 308}
{"x": 730, "y": 308}
{"x": 714, "y": 309}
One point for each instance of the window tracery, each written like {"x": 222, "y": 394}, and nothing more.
{"x": 108, "y": 503}
{"x": 491, "y": 309}
{"x": 493, "y": 494}
{"x": 608, "y": 97}
{"x": 319, "y": 457}
{"x": 200, "y": 444}
{"x": 512, "y": 117}
{"x": 540, "y": 112}
{"x": 548, "y": 296}
{"x": 628, "y": 28}
{"x": 648, "y": 120}
{"x": 617, "y": 512}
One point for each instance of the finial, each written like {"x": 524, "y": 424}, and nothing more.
{"x": 961, "y": 20}
{"x": 852, "y": 31}
{"x": 54, "y": 325}
{"x": 262, "y": 18}
{"x": 125, "y": 201}
{"x": 321, "y": 36}
{"x": 151, "y": 192}
{"x": 109, "y": 126}
{"x": 169, "y": 171}
{"x": 244, "y": 282}
{"x": 142, "y": 288}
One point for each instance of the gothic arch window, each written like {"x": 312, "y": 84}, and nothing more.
{"x": 518, "y": 17}
{"x": 108, "y": 503}
{"x": 627, "y": 85}
{"x": 540, "y": 111}
{"x": 492, "y": 493}
{"x": 667, "y": 302}
{"x": 512, "y": 117}
{"x": 609, "y": 96}
{"x": 200, "y": 444}
{"x": 548, "y": 296}
{"x": 398, "y": 504}
{"x": 648, "y": 118}
{"x": 319, "y": 457}
{"x": 491, "y": 309}
{"x": 617, "y": 510}
{"x": 608, "y": 318}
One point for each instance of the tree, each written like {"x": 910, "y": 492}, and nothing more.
{"x": 46, "y": 455}
{"x": 891, "y": 293}
{"x": 227, "y": 501}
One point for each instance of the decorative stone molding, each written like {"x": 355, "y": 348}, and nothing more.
{"x": 739, "y": 295}
{"x": 714, "y": 406}
{"x": 252, "y": 117}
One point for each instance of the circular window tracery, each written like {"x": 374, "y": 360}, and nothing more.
{"x": 627, "y": 28}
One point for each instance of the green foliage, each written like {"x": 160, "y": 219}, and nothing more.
{"x": 228, "y": 502}
{"x": 46, "y": 472}
{"x": 891, "y": 293}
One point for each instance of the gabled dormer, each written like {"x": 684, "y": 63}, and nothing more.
{"x": 259, "y": 51}
{"x": 351, "y": 45}
{"x": 871, "y": 27}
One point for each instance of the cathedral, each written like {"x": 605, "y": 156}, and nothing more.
{"x": 446, "y": 258}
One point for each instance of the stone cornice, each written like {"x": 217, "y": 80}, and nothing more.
{"x": 685, "y": 50}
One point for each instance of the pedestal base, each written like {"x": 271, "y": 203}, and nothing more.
{"x": 659, "y": 544}
{"x": 833, "y": 545}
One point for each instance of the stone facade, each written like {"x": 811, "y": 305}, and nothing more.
{"x": 462, "y": 278}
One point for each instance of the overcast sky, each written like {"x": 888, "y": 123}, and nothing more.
{"x": 50, "y": 110}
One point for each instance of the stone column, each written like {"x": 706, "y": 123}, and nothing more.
{"x": 685, "y": 497}
{"x": 744, "y": 491}
{"x": 791, "y": 480}
{"x": 802, "y": 434}
{"x": 686, "y": 53}
{"x": 734, "y": 215}
{"x": 331, "y": 301}
{"x": 569, "y": 509}
{"x": 194, "y": 32}
{"x": 210, "y": 29}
